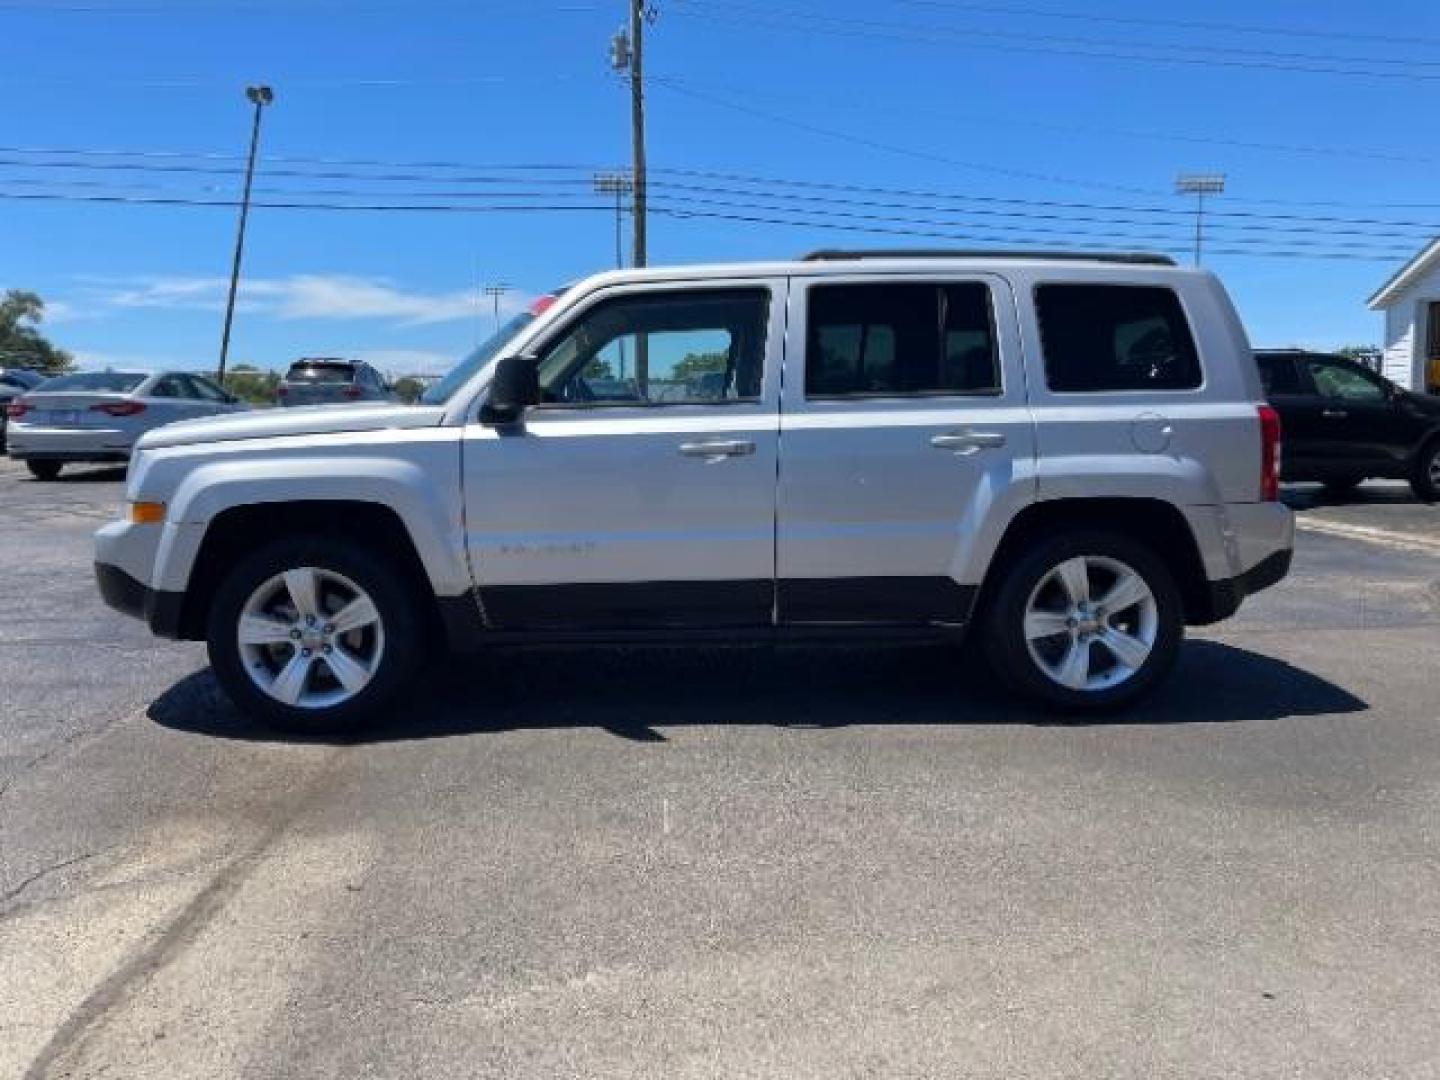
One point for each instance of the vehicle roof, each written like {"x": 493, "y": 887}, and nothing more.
{"x": 828, "y": 263}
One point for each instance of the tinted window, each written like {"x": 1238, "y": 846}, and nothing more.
{"x": 112, "y": 382}
{"x": 1115, "y": 337}
{"x": 661, "y": 349}
{"x": 890, "y": 340}
{"x": 1278, "y": 375}
{"x": 1336, "y": 379}
{"x": 205, "y": 389}
{"x": 321, "y": 373}
{"x": 172, "y": 386}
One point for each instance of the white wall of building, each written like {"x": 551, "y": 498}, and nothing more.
{"x": 1405, "y": 331}
{"x": 1400, "y": 333}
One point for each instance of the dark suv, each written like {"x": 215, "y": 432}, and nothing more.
{"x": 1342, "y": 423}
{"x": 327, "y": 380}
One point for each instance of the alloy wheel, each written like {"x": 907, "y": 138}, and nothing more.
{"x": 310, "y": 638}
{"x": 1091, "y": 623}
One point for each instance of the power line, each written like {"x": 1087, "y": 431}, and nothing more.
{"x": 812, "y": 222}
{"x": 1367, "y": 154}
{"x": 903, "y": 151}
{"x": 811, "y": 22}
{"x": 1127, "y": 43}
{"x": 728, "y": 184}
{"x": 1172, "y": 24}
{"x": 586, "y": 168}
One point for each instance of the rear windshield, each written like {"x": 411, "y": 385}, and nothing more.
{"x": 321, "y": 373}
{"x": 109, "y": 382}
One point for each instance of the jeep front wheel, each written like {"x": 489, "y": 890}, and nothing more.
{"x": 314, "y": 635}
{"x": 1086, "y": 623}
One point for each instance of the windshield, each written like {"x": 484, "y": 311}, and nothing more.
{"x": 461, "y": 373}
{"x": 114, "y": 382}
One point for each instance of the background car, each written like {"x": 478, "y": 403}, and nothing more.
{"x": 13, "y": 383}
{"x": 96, "y": 416}
{"x": 1342, "y": 423}
{"x": 329, "y": 381}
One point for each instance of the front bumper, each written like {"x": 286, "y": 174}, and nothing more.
{"x": 158, "y": 609}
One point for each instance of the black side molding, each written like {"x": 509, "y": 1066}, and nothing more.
{"x": 1227, "y": 595}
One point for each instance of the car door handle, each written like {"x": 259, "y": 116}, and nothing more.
{"x": 1334, "y": 414}
{"x": 718, "y": 449}
{"x": 968, "y": 442}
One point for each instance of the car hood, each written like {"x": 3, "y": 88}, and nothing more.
{"x": 275, "y": 423}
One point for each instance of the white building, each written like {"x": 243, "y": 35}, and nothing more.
{"x": 1411, "y": 303}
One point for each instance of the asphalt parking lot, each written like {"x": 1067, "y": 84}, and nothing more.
{"x": 738, "y": 863}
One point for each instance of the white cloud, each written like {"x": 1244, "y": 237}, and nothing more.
{"x": 305, "y": 296}
{"x": 91, "y": 359}
{"x": 400, "y": 362}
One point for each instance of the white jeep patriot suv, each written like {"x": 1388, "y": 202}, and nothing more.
{"x": 1069, "y": 452}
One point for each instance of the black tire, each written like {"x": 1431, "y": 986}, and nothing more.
{"x": 44, "y": 470}
{"x": 395, "y": 597}
{"x": 1341, "y": 486}
{"x": 1003, "y": 622}
{"x": 1425, "y": 480}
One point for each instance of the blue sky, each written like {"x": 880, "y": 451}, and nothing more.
{"x": 961, "y": 104}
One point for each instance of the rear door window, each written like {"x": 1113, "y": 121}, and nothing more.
{"x": 900, "y": 340}
{"x": 1115, "y": 337}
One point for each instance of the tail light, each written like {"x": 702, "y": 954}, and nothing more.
{"x": 119, "y": 408}
{"x": 352, "y": 392}
{"x": 281, "y": 390}
{"x": 17, "y": 409}
{"x": 1269, "y": 454}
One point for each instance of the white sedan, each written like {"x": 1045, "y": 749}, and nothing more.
{"x": 96, "y": 416}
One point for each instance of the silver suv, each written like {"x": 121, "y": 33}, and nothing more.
{"x": 1069, "y": 452}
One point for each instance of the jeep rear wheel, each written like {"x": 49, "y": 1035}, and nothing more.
{"x": 44, "y": 469}
{"x": 314, "y": 635}
{"x": 1087, "y": 622}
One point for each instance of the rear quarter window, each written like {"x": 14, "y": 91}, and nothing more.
{"x": 1115, "y": 337}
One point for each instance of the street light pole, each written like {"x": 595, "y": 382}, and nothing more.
{"x": 618, "y": 184}
{"x": 259, "y": 96}
{"x": 1199, "y": 185}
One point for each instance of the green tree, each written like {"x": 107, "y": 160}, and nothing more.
{"x": 409, "y": 388}
{"x": 695, "y": 364}
{"x": 252, "y": 384}
{"x": 21, "y": 343}
{"x": 1353, "y": 351}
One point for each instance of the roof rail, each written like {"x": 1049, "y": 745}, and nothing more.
{"x": 1139, "y": 258}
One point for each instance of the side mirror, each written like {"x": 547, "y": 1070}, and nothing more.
{"x": 514, "y": 388}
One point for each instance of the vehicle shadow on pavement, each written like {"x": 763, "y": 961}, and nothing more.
{"x": 636, "y": 693}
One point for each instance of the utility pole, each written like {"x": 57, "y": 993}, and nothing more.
{"x": 259, "y": 96}
{"x": 1199, "y": 185}
{"x": 618, "y": 184}
{"x": 495, "y": 292}
{"x": 627, "y": 56}
{"x": 637, "y": 123}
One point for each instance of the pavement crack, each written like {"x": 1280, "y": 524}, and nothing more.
{"x": 42, "y": 874}
{"x": 170, "y": 941}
